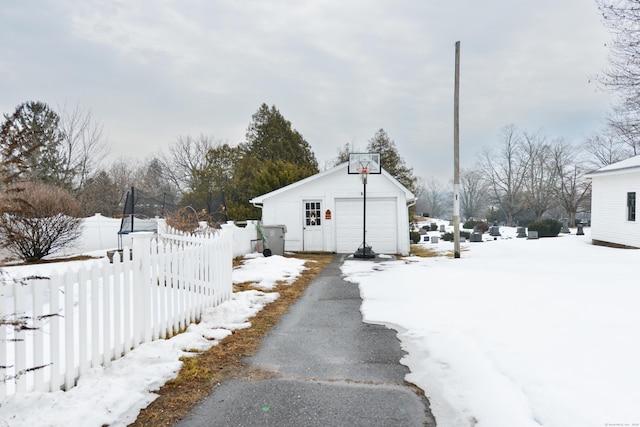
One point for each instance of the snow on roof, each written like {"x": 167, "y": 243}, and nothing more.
{"x": 630, "y": 163}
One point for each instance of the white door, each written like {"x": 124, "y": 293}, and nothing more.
{"x": 312, "y": 226}
{"x": 381, "y": 228}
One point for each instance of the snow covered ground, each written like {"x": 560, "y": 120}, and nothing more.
{"x": 514, "y": 333}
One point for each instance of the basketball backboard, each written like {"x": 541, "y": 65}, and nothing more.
{"x": 360, "y": 161}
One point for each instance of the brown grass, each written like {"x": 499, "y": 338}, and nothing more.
{"x": 425, "y": 252}
{"x": 421, "y": 251}
{"x": 201, "y": 374}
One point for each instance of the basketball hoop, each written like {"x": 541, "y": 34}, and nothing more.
{"x": 364, "y": 164}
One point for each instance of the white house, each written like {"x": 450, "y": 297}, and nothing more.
{"x": 324, "y": 213}
{"x": 615, "y": 191}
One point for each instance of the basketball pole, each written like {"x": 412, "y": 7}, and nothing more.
{"x": 456, "y": 156}
{"x": 364, "y": 215}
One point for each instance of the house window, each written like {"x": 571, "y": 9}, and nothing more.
{"x": 631, "y": 206}
{"x": 312, "y": 213}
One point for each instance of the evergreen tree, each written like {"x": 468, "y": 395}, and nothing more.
{"x": 390, "y": 159}
{"x": 274, "y": 155}
{"x": 270, "y": 137}
{"x": 30, "y": 142}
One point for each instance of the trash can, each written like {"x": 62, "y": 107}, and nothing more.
{"x": 274, "y": 239}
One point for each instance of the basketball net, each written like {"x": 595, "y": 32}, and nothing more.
{"x": 364, "y": 172}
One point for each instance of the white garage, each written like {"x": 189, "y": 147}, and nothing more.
{"x": 324, "y": 213}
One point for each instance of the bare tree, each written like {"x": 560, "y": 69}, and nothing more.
{"x": 121, "y": 173}
{"x": 473, "y": 194}
{"x": 151, "y": 179}
{"x": 622, "y": 17}
{"x": 540, "y": 175}
{"x": 38, "y": 219}
{"x": 186, "y": 160}
{"x": 83, "y": 146}
{"x": 504, "y": 169}
{"x": 572, "y": 188}
{"x": 433, "y": 198}
{"x": 604, "y": 149}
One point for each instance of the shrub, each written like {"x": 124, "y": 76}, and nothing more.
{"x": 470, "y": 224}
{"x": 448, "y": 237}
{"x": 38, "y": 219}
{"x": 546, "y": 227}
{"x": 414, "y": 236}
{"x": 481, "y": 226}
{"x": 433, "y": 226}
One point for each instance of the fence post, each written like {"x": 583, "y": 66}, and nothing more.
{"x": 141, "y": 253}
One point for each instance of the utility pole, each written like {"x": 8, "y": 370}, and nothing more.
{"x": 456, "y": 157}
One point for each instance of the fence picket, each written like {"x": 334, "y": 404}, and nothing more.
{"x": 69, "y": 335}
{"x": 55, "y": 344}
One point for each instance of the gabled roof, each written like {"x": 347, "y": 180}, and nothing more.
{"x": 618, "y": 167}
{"x": 260, "y": 199}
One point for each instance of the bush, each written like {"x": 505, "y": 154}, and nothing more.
{"x": 481, "y": 226}
{"x": 546, "y": 227}
{"x": 414, "y": 236}
{"x": 38, "y": 219}
{"x": 470, "y": 224}
{"x": 448, "y": 237}
{"x": 433, "y": 226}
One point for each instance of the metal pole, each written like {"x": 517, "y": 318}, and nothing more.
{"x": 364, "y": 219}
{"x": 456, "y": 156}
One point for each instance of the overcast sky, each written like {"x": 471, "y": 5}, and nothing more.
{"x": 338, "y": 70}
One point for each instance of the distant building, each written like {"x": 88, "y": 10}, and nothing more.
{"x": 614, "y": 203}
{"x": 324, "y": 213}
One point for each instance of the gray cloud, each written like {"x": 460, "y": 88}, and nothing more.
{"x": 151, "y": 71}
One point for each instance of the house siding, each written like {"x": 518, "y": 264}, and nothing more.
{"x": 609, "y": 208}
{"x": 287, "y": 206}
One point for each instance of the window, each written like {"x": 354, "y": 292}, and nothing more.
{"x": 312, "y": 212}
{"x": 631, "y": 206}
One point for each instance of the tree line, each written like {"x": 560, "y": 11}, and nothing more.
{"x": 524, "y": 177}
{"x": 45, "y": 152}
{"x": 529, "y": 175}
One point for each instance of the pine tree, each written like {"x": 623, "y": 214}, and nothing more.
{"x": 29, "y": 146}
{"x": 273, "y": 156}
{"x": 270, "y": 137}
{"x": 390, "y": 159}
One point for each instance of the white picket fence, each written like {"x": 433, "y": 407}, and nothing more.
{"x": 88, "y": 317}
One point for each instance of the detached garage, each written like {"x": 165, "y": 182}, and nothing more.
{"x": 324, "y": 212}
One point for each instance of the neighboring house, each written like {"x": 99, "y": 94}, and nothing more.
{"x": 324, "y": 213}
{"x": 614, "y": 209}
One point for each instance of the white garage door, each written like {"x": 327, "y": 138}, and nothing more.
{"x": 382, "y": 225}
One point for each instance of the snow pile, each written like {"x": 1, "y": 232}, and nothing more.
{"x": 266, "y": 271}
{"x": 115, "y": 394}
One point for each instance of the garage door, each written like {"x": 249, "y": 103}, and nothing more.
{"x": 382, "y": 225}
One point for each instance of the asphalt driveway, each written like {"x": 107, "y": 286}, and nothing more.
{"x": 320, "y": 366}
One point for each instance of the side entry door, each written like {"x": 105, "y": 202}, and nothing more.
{"x": 312, "y": 226}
